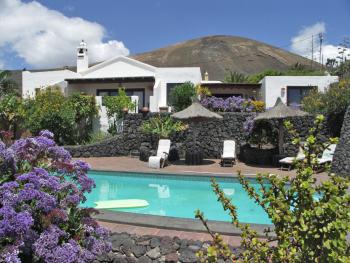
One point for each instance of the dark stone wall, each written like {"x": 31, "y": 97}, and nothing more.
{"x": 147, "y": 249}
{"x": 341, "y": 158}
{"x": 208, "y": 134}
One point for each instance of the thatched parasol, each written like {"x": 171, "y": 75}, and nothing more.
{"x": 194, "y": 112}
{"x": 279, "y": 112}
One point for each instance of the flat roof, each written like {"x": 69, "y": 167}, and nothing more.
{"x": 111, "y": 80}
{"x": 232, "y": 85}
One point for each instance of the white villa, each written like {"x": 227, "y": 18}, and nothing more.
{"x": 150, "y": 86}
{"x": 148, "y": 83}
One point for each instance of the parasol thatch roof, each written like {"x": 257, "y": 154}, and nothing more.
{"x": 196, "y": 111}
{"x": 280, "y": 111}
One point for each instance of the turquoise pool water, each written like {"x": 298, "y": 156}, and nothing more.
{"x": 175, "y": 195}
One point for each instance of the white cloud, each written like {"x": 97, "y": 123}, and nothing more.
{"x": 48, "y": 38}
{"x": 301, "y": 43}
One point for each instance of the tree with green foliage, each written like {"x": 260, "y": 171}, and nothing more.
{"x": 236, "y": 77}
{"x": 162, "y": 126}
{"x": 7, "y": 86}
{"x": 295, "y": 70}
{"x": 86, "y": 110}
{"x": 256, "y": 78}
{"x": 311, "y": 220}
{"x": 50, "y": 110}
{"x": 182, "y": 95}
{"x": 69, "y": 118}
{"x": 115, "y": 106}
{"x": 11, "y": 112}
{"x": 332, "y": 103}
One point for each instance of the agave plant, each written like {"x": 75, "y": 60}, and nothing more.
{"x": 163, "y": 127}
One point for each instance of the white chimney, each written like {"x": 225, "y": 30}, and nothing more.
{"x": 206, "y": 76}
{"x": 82, "y": 57}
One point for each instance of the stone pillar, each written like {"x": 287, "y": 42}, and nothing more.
{"x": 341, "y": 158}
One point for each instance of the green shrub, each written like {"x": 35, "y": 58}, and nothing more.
{"x": 256, "y": 78}
{"x": 236, "y": 77}
{"x": 332, "y": 103}
{"x": 114, "y": 106}
{"x": 85, "y": 111}
{"x": 296, "y": 70}
{"x": 311, "y": 219}
{"x": 7, "y": 86}
{"x": 98, "y": 137}
{"x": 69, "y": 118}
{"x": 11, "y": 112}
{"x": 163, "y": 127}
{"x": 181, "y": 96}
{"x": 50, "y": 110}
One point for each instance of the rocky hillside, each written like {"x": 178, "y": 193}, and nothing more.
{"x": 221, "y": 54}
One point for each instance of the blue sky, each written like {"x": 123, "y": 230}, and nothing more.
{"x": 136, "y": 26}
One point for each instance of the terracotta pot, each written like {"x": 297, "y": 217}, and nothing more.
{"x": 145, "y": 109}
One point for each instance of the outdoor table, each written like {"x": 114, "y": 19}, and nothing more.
{"x": 194, "y": 157}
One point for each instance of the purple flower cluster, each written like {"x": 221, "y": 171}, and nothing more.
{"x": 44, "y": 188}
{"x": 248, "y": 125}
{"x": 231, "y": 104}
{"x": 7, "y": 160}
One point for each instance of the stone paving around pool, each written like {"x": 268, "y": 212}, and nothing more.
{"x": 210, "y": 166}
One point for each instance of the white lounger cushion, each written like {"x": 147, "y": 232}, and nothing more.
{"x": 229, "y": 150}
{"x": 289, "y": 160}
{"x": 154, "y": 162}
{"x": 162, "y": 154}
{"x": 327, "y": 155}
{"x": 163, "y": 147}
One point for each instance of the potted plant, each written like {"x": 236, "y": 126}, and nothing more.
{"x": 117, "y": 107}
{"x": 262, "y": 140}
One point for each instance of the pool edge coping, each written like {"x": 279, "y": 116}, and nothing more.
{"x": 178, "y": 224}
{"x": 181, "y": 173}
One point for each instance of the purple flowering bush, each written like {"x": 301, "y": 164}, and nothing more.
{"x": 231, "y": 104}
{"x": 40, "y": 190}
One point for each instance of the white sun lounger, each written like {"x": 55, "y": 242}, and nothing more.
{"x": 327, "y": 155}
{"x": 287, "y": 162}
{"x": 161, "y": 158}
{"x": 228, "y": 157}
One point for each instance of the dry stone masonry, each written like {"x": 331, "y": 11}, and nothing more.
{"x": 341, "y": 158}
{"x": 147, "y": 249}
{"x": 210, "y": 135}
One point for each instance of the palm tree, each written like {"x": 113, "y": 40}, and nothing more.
{"x": 236, "y": 77}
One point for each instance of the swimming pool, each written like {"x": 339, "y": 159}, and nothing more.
{"x": 175, "y": 195}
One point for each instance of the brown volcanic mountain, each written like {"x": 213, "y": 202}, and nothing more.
{"x": 220, "y": 54}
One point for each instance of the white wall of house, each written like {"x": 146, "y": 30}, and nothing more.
{"x": 174, "y": 75}
{"x": 273, "y": 87}
{"x": 42, "y": 79}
